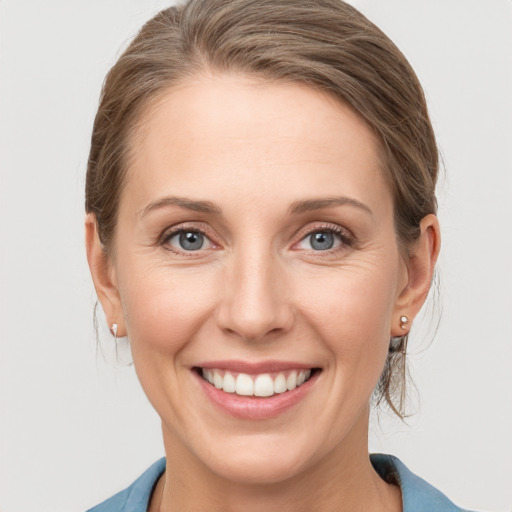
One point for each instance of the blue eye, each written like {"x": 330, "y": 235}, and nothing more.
{"x": 189, "y": 240}
{"x": 323, "y": 240}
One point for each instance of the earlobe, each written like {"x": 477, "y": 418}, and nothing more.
{"x": 103, "y": 276}
{"x": 420, "y": 265}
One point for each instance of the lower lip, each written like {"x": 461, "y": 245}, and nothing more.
{"x": 256, "y": 408}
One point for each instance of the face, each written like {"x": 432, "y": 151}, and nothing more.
{"x": 255, "y": 254}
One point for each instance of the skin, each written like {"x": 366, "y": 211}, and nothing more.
{"x": 257, "y": 290}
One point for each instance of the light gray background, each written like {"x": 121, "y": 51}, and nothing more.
{"x": 75, "y": 427}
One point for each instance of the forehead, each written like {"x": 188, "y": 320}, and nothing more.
{"x": 278, "y": 138}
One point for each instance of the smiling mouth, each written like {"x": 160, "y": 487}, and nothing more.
{"x": 259, "y": 385}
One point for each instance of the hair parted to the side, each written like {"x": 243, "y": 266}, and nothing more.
{"x": 326, "y": 44}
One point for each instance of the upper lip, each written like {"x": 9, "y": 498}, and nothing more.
{"x": 255, "y": 368}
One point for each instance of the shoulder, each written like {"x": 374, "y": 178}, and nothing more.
{"x": 136, "y": 497}
{"x": 417, "y": 495}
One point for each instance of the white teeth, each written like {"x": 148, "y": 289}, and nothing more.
{"x": 244, "y": 385}
{"x": 229, "y": 383}
{"x": 280, "y": 384}
{"x": 291, "y": 381}
{"x": 218, "y": 381}
{"x": 261, "y": 385}
{"x": 303, "y": 376}
{"x": 208, "y": 375}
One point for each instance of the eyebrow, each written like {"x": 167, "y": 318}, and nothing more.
{"x": 182, "y": 202}
{"x": 297, "y": 207}
{"x": 309, "y": 205}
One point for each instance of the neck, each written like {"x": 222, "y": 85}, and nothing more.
{"x": 344, "y": 481}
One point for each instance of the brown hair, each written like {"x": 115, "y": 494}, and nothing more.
{"x": 326, "y": 44}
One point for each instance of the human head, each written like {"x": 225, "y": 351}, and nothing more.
{"x": 325, "y": 44}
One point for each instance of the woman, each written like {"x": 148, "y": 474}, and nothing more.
{"x": 261, "y": 226}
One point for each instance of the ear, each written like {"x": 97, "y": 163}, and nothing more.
{"x": 420, "y": 263}
{"x": 103, "y": 276}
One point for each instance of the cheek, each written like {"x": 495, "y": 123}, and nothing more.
{"x": 164, "y": 309}
{"x": 351, "y": 310}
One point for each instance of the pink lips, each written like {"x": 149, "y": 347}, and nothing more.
{"x": 255, "y": 368}
{"x": 252, "y": 407}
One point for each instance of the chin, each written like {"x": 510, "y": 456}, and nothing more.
{"x": 263, "y": 458}
{"x": 258, "y": 467}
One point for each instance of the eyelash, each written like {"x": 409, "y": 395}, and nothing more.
{"x": 184, "y": 228}
{"x": 345, "y": 236}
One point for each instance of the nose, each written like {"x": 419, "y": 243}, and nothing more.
{"x": 255, "y": 303}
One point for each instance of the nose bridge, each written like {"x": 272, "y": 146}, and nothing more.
{"x": 255, "y": 298}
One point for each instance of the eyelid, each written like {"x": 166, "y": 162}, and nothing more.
{"x": 345, "y": 234}
{"x": 347, "y": 237}
{"x": 172, "y": 231}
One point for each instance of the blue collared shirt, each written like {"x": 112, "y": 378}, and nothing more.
{"x": 417, "y": 495}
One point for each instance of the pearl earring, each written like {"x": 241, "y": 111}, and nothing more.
{"x": 113, "y": 329}
{"x": 404, "y": 322}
